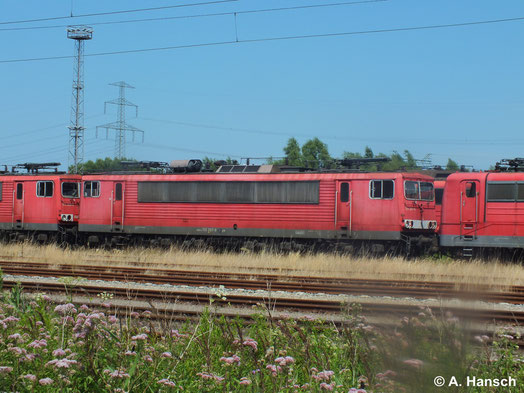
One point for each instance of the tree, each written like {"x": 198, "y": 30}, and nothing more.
{"x": 452, "y": 165}
{"x": 101, "y": 165}
{"x": 315, "y": 154}
{"x": 293, "y": 155}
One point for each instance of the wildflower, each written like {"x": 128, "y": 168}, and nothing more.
{"x": 130, "y": 353}
{"x": 147, "y": 313}
{"x": 17, "y": 351}
{"x": 353, "y": 390}
{"x": 65, "y": 308}
{"x": 231, "y": 359}
{"x": 284, "y": 361}
{"x": 112, "y": 319}
{"x": 30, "y": 377}
{"x": 15, "y": 336}
{"x": 134, "y": 314}
{"x": 142, "y": 336}
{"x": 84, "y": 307}
{"x": 38, "y": 344}
{"x": 45, "y": 381}
{"x": 251, "y": 343}
{"x": 39, "y": 323}
{"x": 59, "y": 352}
{"x": 5, "y": 369}
{"x": 148, "y": 358}
{"x": 323, "y": 375}
{"x": 116, "y": 374}
{"x": 166, "y": 355}
{"x": 61, "y": 363}
{"x": 274, "y": 369}
{"x": 245, "y": 381}
{"x": 166, "y": 382}
{"x": 415, "y": 363}
{"x": 325, "y": 386}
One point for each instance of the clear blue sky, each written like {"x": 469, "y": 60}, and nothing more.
{"x": 451, "y": 92}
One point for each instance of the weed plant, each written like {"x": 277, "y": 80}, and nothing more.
{"x": 47, "y": 347}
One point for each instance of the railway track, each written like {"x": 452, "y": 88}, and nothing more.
{"x": 276, "y": 293}
{"x": 275, "y": 282}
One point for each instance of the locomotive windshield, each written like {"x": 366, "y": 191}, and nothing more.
{"x": 419, "y": 190}
{"x": 70, "y": 190}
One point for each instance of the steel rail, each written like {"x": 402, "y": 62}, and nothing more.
{"x": 375, "y": 287}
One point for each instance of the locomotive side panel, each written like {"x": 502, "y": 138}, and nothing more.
{"x": 258, "y": 218}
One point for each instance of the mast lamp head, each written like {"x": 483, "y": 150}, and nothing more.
{"x": 80, "y": 32}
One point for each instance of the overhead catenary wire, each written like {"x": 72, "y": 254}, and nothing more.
{"x": 117, "y": 12}
{"x": 268, "y": 39}
{"x": 162, "y": 18}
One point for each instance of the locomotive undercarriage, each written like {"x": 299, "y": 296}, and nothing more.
{"x": 411, "y": 246}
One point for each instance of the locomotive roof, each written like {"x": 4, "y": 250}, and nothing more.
{"x": 209, "y": 176}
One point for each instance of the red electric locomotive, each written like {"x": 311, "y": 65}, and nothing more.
{"x": 40, "y": 206}
{"x": 483, "y": 210}
{"x": 384, "y": 210}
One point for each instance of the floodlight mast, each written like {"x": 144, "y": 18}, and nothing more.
{"x": 76, "y": 130}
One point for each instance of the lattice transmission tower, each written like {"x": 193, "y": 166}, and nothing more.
{"x": 76, "y": 130}
{"x": 120, "y": 125}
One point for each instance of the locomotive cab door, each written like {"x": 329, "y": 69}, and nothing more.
{"x": 343, "y": 204}
{"x": 469, "y": 208}
{"x": 117, "y": 207}
{"x": 18, "y": 205}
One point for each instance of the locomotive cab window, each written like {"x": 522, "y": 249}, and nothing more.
{"x": 419, "y": 190}
{"x": 439, "y": 193}
{"x": 118, "y": 192}
{"x": 381, "y": 189}
{"x": 471, "y": 189}
{"x": 19, "y": 191}
{"x": 44, "y": 189}
{"x": 91, "y": 189}
{"x": 70, "y": 190}
{"x": 344, "y": 192}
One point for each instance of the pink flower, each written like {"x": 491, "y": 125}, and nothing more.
{"x": 284, "y": 361}
{"x": 65, "y": 308}
{"x": 166, "y": 355}
{"x": 61, "y": 363}
{"x": 17, "y": 351}
{"x": 325, "y": 386}
{"x": 30, "y": 377}
{"x": 117, "y": 374}
{"x": 245, "y": 381}
{"x": 15, "y": 336}
{"x": 130, "y": 353}
{"x": 415, "y": 363}
{"x": 142, "y": 336}
{"x": 324, "y": 375}
{"x": 112, "y": 319}
{"x": 59, "y": 352}
{"x": 230, "y": 360}
{"x": 148, "y": 358}
{"x": 134, "y": 314}
{"x": 251, "y": 343}
{"x": 5, "y": 369}
{"x": 38, "y": 344}
{"x": 166, "y": 382}
{"x": 45, "y": 381}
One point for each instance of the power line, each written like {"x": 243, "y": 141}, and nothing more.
{"x": 340, "y": 34}
{"x": 337, "y": 137}
{"x": 117, "y": 12}
{"x": 204, "y": 15}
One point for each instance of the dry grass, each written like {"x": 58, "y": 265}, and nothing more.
{"x": 319, "y": 265}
